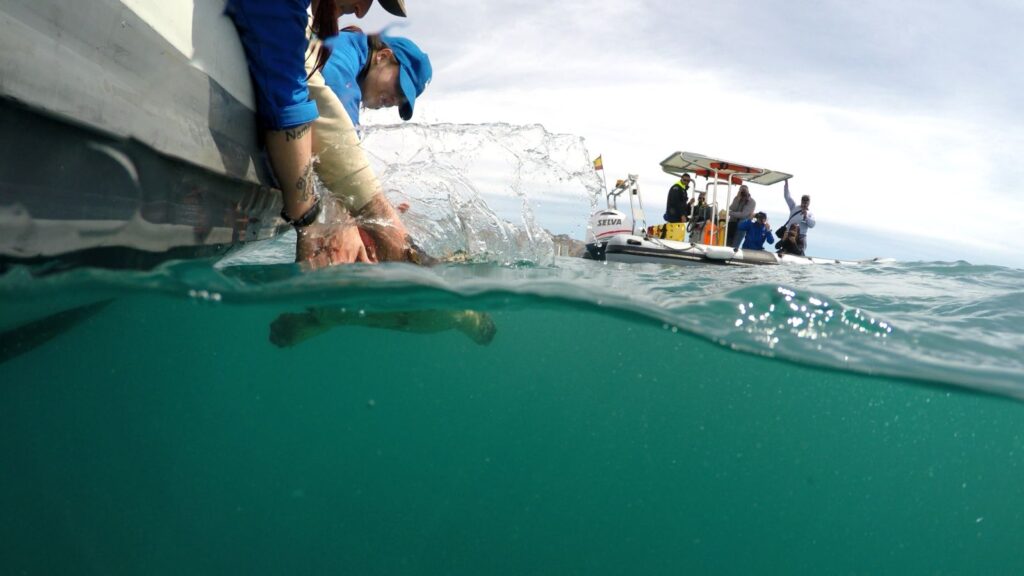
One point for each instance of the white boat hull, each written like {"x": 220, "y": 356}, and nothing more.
{"x": 637, "y": 249}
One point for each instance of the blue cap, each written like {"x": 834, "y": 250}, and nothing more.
{"x": 414, "y": 71}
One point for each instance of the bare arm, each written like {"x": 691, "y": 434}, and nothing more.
{"x": 290, "y": 153}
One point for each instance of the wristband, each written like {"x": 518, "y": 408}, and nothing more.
{"x": 306, "y": 219}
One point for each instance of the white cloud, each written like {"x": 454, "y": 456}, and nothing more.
{"x": 892, "y": 115}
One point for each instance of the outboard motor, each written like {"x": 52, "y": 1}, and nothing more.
{"x": 603, "y": 225}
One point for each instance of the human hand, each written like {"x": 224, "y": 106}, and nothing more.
{"x": 337, "y": 241}
{"x": 323, "y": 245}
{"x": 379, "y": 220}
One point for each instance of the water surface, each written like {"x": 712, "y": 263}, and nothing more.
{"x": 624, "y": 419}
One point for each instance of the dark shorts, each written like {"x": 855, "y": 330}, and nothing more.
{"x": 273, "y": 33}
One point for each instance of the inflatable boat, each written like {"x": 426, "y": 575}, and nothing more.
{"x": 630, "y": 248}
{"x": 614, "y": 236}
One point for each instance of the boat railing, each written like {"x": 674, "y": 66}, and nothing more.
{"x": 636, "y": 206}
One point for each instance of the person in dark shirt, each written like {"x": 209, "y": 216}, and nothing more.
{"x": 701, "y": 214}
{"x": 790, "y": 243}
{"x": 677, "y": 206}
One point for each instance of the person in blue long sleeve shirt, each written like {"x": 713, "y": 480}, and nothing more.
{"x": 273, "y": 34}
{"x": 757, "y": 232}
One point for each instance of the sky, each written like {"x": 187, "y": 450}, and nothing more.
{"x": 900, "y": 119}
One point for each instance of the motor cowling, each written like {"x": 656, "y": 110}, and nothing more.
{"x": 607, "y": 223}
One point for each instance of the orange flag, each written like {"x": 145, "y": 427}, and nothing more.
{"x": 598, "y": 164}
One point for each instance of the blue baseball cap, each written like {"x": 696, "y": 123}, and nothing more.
{"x": 414, "y": 70}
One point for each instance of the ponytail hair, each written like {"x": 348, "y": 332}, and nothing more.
{"x": 325, "y": 25}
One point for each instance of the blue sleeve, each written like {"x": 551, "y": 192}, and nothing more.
{"x": 273, "y": 33}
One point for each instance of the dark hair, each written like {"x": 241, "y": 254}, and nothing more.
{"x": 374, "y": 44}
{"x": 325, "y": 25}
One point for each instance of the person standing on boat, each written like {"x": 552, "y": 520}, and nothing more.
{"x": 273, "y": 33}
{"x": 800, "y": 215}
{"x": 757, "y": 232}
{"x": 741, "y": 210}
{"x": 677, "y": 205}
{"x": 700, "y": 213}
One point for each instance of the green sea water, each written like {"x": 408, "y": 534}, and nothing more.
{"x": 623, "y": 420}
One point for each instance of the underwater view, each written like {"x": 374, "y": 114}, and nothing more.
{"x": 576, "y": 417}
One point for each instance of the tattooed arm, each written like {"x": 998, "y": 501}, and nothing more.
{"x": 337, "y": 241}
{"x": 290, "y": 153}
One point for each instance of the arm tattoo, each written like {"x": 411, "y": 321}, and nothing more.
{"x": 296, "y": 133}
{"x": 304, "y": 185}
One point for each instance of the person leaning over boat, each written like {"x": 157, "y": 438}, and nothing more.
{"x": 757, "y": 232}
{"x": 273, "y": 34}
{"x": 741, "y": 210}
{"x": 799, "y": 215}
{"x": 700, "y": 213}
{"x": 677, "y": 204}
{"x": 374, "y": 71}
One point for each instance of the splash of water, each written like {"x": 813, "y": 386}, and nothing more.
{"x": 492, "y": 191}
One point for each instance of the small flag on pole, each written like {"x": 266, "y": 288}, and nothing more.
{"x": 598, "y": 164}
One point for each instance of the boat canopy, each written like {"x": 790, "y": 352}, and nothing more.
{"x": 681, "y": 162}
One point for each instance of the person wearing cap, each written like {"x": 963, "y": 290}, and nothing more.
{"x": 677, "y": 204}
{"x": 800, "y": 215}
{"x": 373, "y": 71}
{"x": 376, "y": 71}
{"x": 273, "y": 35}
{"x": 741, "y": 210}
{"x": 757, "y": 232}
